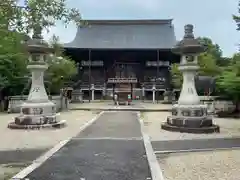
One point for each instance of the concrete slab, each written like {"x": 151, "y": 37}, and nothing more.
{"x": 19, "y": 156}
{"x": 95, "y": 160}
{"x": 195, "y": 145}
{"x": 113, "y": 125}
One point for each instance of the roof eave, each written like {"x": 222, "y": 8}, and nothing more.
{"x": 130, "y": 21}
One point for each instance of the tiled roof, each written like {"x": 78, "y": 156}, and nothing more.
{"x": 125, "y": 34}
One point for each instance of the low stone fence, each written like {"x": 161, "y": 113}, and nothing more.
{"x": 16, "y": 101}
{"x": 216, "y": 106}
{"x": 224, "y": 107}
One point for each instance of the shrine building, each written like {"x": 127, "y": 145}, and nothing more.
{"x": 137, "y": 51}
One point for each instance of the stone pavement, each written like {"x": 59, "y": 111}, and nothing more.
{"x": 109, "y": 106}
{"x": 195, "y": 145}
{"x": 110, "y": 149}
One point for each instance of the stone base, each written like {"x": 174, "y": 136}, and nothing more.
{"x": 200, "y": 130}
{"x": 40, "y": 119}
{"x": 190, "y": 125}
{"x": 190, "y": 119}
{"x": 123, "y": 103}
{"x": 59, "y": 124}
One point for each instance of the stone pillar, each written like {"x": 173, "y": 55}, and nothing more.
{"x": 143, "y": 92}
{"x": 154, "y": 93}
{"x": 92, "y": 90}
{"x": 188, "y": 95}
{"x": 104, "y": 91}
{"x": 168, "y": 97}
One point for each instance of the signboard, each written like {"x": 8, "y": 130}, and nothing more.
{"x": 157, "y": 63}
{"x": 92, "y": 63}
{"x": 122, "y": 80}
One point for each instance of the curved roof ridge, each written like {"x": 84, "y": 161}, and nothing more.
{"x": 128, "y": 21}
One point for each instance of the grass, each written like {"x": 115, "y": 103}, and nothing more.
{"x": 142, "y": 115}
{"x": 9, "y": 170}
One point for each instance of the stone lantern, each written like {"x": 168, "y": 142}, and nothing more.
{"x": 189, "y": 115}
{"x": 37, "y": 111}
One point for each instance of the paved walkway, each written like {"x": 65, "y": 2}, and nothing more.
{"x": 109, "y": 106}
{"x": 110, "y": 149}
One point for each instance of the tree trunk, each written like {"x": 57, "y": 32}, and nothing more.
{"x": 1, "y": 101}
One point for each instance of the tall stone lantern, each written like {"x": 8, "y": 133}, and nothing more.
{"x": 189, "y": 115}
{"x": 37, "y": 111}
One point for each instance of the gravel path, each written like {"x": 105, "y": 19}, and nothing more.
{"x": 152, "y": 120}
{"x": 215, "y": 165}
{"x": 33, "y": 139}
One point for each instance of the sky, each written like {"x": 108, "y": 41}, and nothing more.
{"x": 211, "y": 18}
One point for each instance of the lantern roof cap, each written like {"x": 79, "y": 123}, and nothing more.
{"x": 188, "y": 45}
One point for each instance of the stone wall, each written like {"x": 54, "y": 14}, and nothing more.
{"x": 16, "y": 101}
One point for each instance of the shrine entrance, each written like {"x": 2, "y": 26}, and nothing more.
{"x": 124, "y": 80}
{"x": 123, "y": 87}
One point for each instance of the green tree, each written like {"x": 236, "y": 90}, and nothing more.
{"x": 61, "y": 68}
{"x": 211, "y": 48}
{"x": 15, "y": 23}
{"x": 12, "y": 54}
{"x": 229, "y": 81}
{"x": 207, "y": 62}
{"x": 45, "y": 13}
{"x": 208, "y": 65}
{"x": 13, "y": 61}
{"x": 236, "y": 18}
{"x": 176, "y": 76}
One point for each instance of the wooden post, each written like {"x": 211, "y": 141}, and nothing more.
{"x": 158, "y": 63}
{"x": 89, "y": 74}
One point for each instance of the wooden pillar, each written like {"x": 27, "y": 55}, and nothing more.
{"x": 131, "y": 91}
{"x": 158, "y": 60}
{"x": 169, "y": 78}
{"x": 89, "y": 74}
{"x": 113, "y": 90}
{"x": 158, "y": 57}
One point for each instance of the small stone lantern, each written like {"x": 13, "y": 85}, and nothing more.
{"x": 37, "y": 111}
{"x": 189, "y": 115}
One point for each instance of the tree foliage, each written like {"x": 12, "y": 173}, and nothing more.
{"x": 176, "y": 76}
{"x": 207, "y": 61}
{"x": 18, "y": 22}
{"x": 229, "y": 81}
{"x": 236, "y": 18}
{"x": 61, "y": 68}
